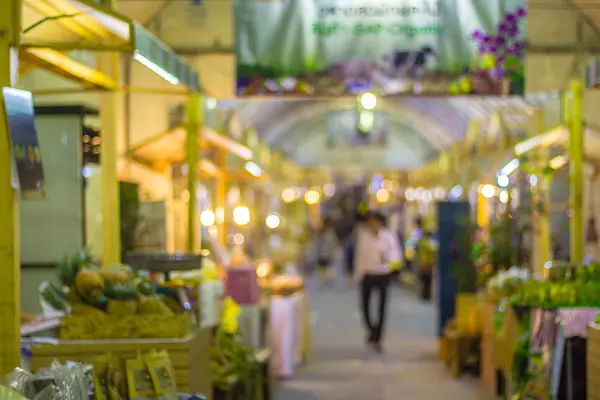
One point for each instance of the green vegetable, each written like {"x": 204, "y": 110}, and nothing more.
{"x": 581, "y": 274}
{"x": 96, "y": 298}
{"x": 53, "y": 296}
{"x": 118, "y": 291}
{"x": 83, "y": 258}
{"x": 67, "y": 271}
{"x": 144, "y": 286}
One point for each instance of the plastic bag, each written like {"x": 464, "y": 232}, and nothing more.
{"x": 21, "y": 382}
{"x": 62, "y": 382}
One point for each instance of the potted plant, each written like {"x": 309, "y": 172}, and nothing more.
{"x": 498, "y": 68}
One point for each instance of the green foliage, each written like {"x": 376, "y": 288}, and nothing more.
{"x": 231, "y": 361}
{"x": 262, "y": 71}
{"x": 463, "y": 267}
{"x": 502, "y": 252}
{"x": 311, "y": 64}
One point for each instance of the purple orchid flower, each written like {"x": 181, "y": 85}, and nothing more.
{"x": 497, "y": 73}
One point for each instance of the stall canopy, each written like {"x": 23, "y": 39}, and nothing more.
{"x": 64, "y": 25}
{"x": 558, "y": 137}
{"x": 170, "y": 148}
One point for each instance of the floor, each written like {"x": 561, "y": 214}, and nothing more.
{"x": 340, "y": 368}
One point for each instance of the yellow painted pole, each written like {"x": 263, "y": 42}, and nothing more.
{"x": 10, "y": 269}
{"x": 483, "y": 210}
{"x": 220, "y": 194}
{"x": 108, "y": 63}
{"x": 194, "y": 122}
{"x": 543, "y": 252}
{"x": 576, "y": 171}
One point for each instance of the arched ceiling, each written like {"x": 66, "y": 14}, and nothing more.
{"x": 440, "y": 121}
{"x": 203, "y": 32}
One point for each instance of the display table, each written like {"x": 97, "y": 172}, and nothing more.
{"x": 43, "y": 327}
{"x": 288, "y": 332}
{"x": 189, "y": 356}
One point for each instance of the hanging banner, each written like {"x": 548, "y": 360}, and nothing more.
{"x": 337, "y": 47}
{"x": 20, "y": 117}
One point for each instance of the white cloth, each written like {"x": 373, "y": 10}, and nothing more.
{"x": 575, "y": 321}
{"x": 287, "y": 330}
{"x": 395, "y": 222}
{"x": 374, "y": 253}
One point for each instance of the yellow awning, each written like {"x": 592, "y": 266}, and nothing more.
{"x": 74, "y": 24}
{"x": 60, "y": 64}
{"x": 170, "y": 147}
{"x": 66, "y": 25}
{"x": 558, "y": 137}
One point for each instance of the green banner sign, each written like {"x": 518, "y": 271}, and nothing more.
{"x": 336, "y": 47}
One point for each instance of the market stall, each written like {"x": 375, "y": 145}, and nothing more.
{"x": 43, "y": 35}
{"x": 540, "y": 331}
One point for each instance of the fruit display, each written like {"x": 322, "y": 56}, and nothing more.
{"x": 564, "y": 286}
{"x": 107, "y": 297}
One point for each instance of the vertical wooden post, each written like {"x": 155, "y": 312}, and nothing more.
{"x": 576, "y": 171}
{"x": 10, "y": 268}
{"x": 108, "y": 63}
{"x": 194, "y": 124}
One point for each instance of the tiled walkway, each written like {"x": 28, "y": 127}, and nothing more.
{"x": 340, "y": 368}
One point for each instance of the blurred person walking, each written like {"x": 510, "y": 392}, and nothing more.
{"x": 426, "y": 256}
{"x": 377, "y": 255}
{"x": 325, "y": 244}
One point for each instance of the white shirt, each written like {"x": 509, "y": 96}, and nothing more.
{"x": 374, "y": 253}
{"x": 396, "y": 222}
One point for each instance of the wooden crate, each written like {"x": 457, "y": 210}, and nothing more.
{"x": 488, "y": 370}
{"x": 460, "y": 346}
{"x": 504, "y": 345}
{"x": 467, "y": 306}
{"x": 116, "y": 327}
{"x": 189, "y": 356}
{"x": 593, "y": 363}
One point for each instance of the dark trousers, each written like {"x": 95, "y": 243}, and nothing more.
{"x": 370, "y": 284}
{"x": 425, "y": 280}
{"x": 349, "y": 259}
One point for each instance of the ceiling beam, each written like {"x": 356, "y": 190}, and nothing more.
{"x": 563, "y": 49}
{"x": 204, "y": 51}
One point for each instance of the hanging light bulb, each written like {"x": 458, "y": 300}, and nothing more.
{"x": 288, "y": 195}
{"x": 503, "y": 181}
{"x": 273, "y": 221}
{"x": 368, "y": 101}
{"x": 488, "y": 191}
{"x": 207, "y": 217}
{"x": 312, "y": 197}
{"x": 241, "y": 215}
{"x": 382, "y": 196}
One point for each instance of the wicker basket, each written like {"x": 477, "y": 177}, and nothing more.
{"x": 125, "y": 327}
